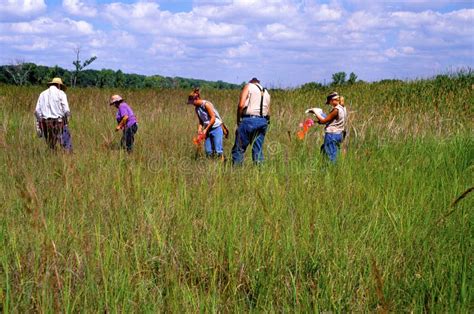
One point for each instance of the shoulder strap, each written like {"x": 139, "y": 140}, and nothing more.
{"x": 262, "y": 92}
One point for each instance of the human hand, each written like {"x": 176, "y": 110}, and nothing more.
{"x": 314, "y": 111}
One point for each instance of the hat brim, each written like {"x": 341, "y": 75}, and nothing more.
{"x": 113, "y": 102}
{"x": 53, "y": 83}
{"x": 328, "y": 100}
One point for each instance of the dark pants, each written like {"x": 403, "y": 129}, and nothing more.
{"x": 54, "y": 131}
{"x": 128, "y": 137}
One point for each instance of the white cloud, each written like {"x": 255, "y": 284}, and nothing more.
{"x": 168, "y": 47}
{"x": 38, "y": 44}
{"x": 364, "y": 21}
{"x": 147, "y": 18}
{"x": 434, "y": 29}
{"x": 248, "y": 11}
{"x": 243, "y": 50}
{"x": 405, "y": 5}
{"x": 77, "y": 7}
{"x": 392, "y": 53}
{"x": 399, "y": 52}
{"x": 280, "y": 32}
{"x": 408, "y": 50}
{"x": 305, "y": 40}
{"x": 20, "y": 8}
{"x": 324, "y": 12}
{"x": 46, "y": 25}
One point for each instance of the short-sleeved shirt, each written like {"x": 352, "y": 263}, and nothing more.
{"x": 125, "y": 110}
{"x": 204, "y": 117}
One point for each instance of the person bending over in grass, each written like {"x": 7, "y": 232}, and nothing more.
{"x": 126, "y": 121}
{"x": 335, "y": 125}
{"x": 211, "y": 128}
{"x": 52, "y": 114}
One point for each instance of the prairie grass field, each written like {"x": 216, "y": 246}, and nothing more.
{"x": 166, "y": 230}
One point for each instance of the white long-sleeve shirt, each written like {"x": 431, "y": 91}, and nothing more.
{"x": 52, "y": 103}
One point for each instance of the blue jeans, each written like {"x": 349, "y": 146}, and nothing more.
{"x": 213, "y": 144}
{"x": 251, "y": 129}
{"x": 331, "y": 145}
{"x": 66, "y": 141}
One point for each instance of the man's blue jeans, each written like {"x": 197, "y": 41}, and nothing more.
{"x": 213, "y": 144}
{"x": 251, "y": 129}
{"x": 330, "y": 147}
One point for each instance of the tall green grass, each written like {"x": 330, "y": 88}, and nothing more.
{"x": 166, "y": 230}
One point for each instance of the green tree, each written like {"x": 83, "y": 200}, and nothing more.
{"x": 119, "y": 79}
{"x": 106, "y": 78}
{"x": 311, "y": 86}
{"x": 339, "y": 78}
{"x": 352, "y": 78}
{"x": 88, "y": 78}
{"x": 38, "y": 75}
{"x": 134, "y": 81}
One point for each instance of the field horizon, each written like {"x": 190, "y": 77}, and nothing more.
{"x": 388, "y": 228}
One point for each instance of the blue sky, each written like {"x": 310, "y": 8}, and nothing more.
{"x": 283, "y": 42}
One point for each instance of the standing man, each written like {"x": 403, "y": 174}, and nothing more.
{"x": 253, "y": 117}
{"x": 52, "y": 113}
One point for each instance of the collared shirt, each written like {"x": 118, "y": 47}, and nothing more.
{"x": 125, "y": 110}
{"x": 52, "y": 103}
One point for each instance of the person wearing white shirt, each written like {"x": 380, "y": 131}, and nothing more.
{"x": 52, "y": 113}
{"x": 253, "y": 117}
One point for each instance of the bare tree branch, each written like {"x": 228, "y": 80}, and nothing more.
{"x": 79, "y": 67}
{"x": 19, "y": 71}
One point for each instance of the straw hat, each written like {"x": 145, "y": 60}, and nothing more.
{"x": 57, "y": 80}
{"x": 114, "y": 99}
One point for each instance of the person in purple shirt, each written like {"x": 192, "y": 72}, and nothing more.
{"x": 126, "y": 121}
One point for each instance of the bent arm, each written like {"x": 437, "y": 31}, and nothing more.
{"x": 122, "y": 122}
{"x": 331, "y": 116}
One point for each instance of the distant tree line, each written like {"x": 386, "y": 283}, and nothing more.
{"x": 22, "y": 73}
{"x": 338, "y": 79}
